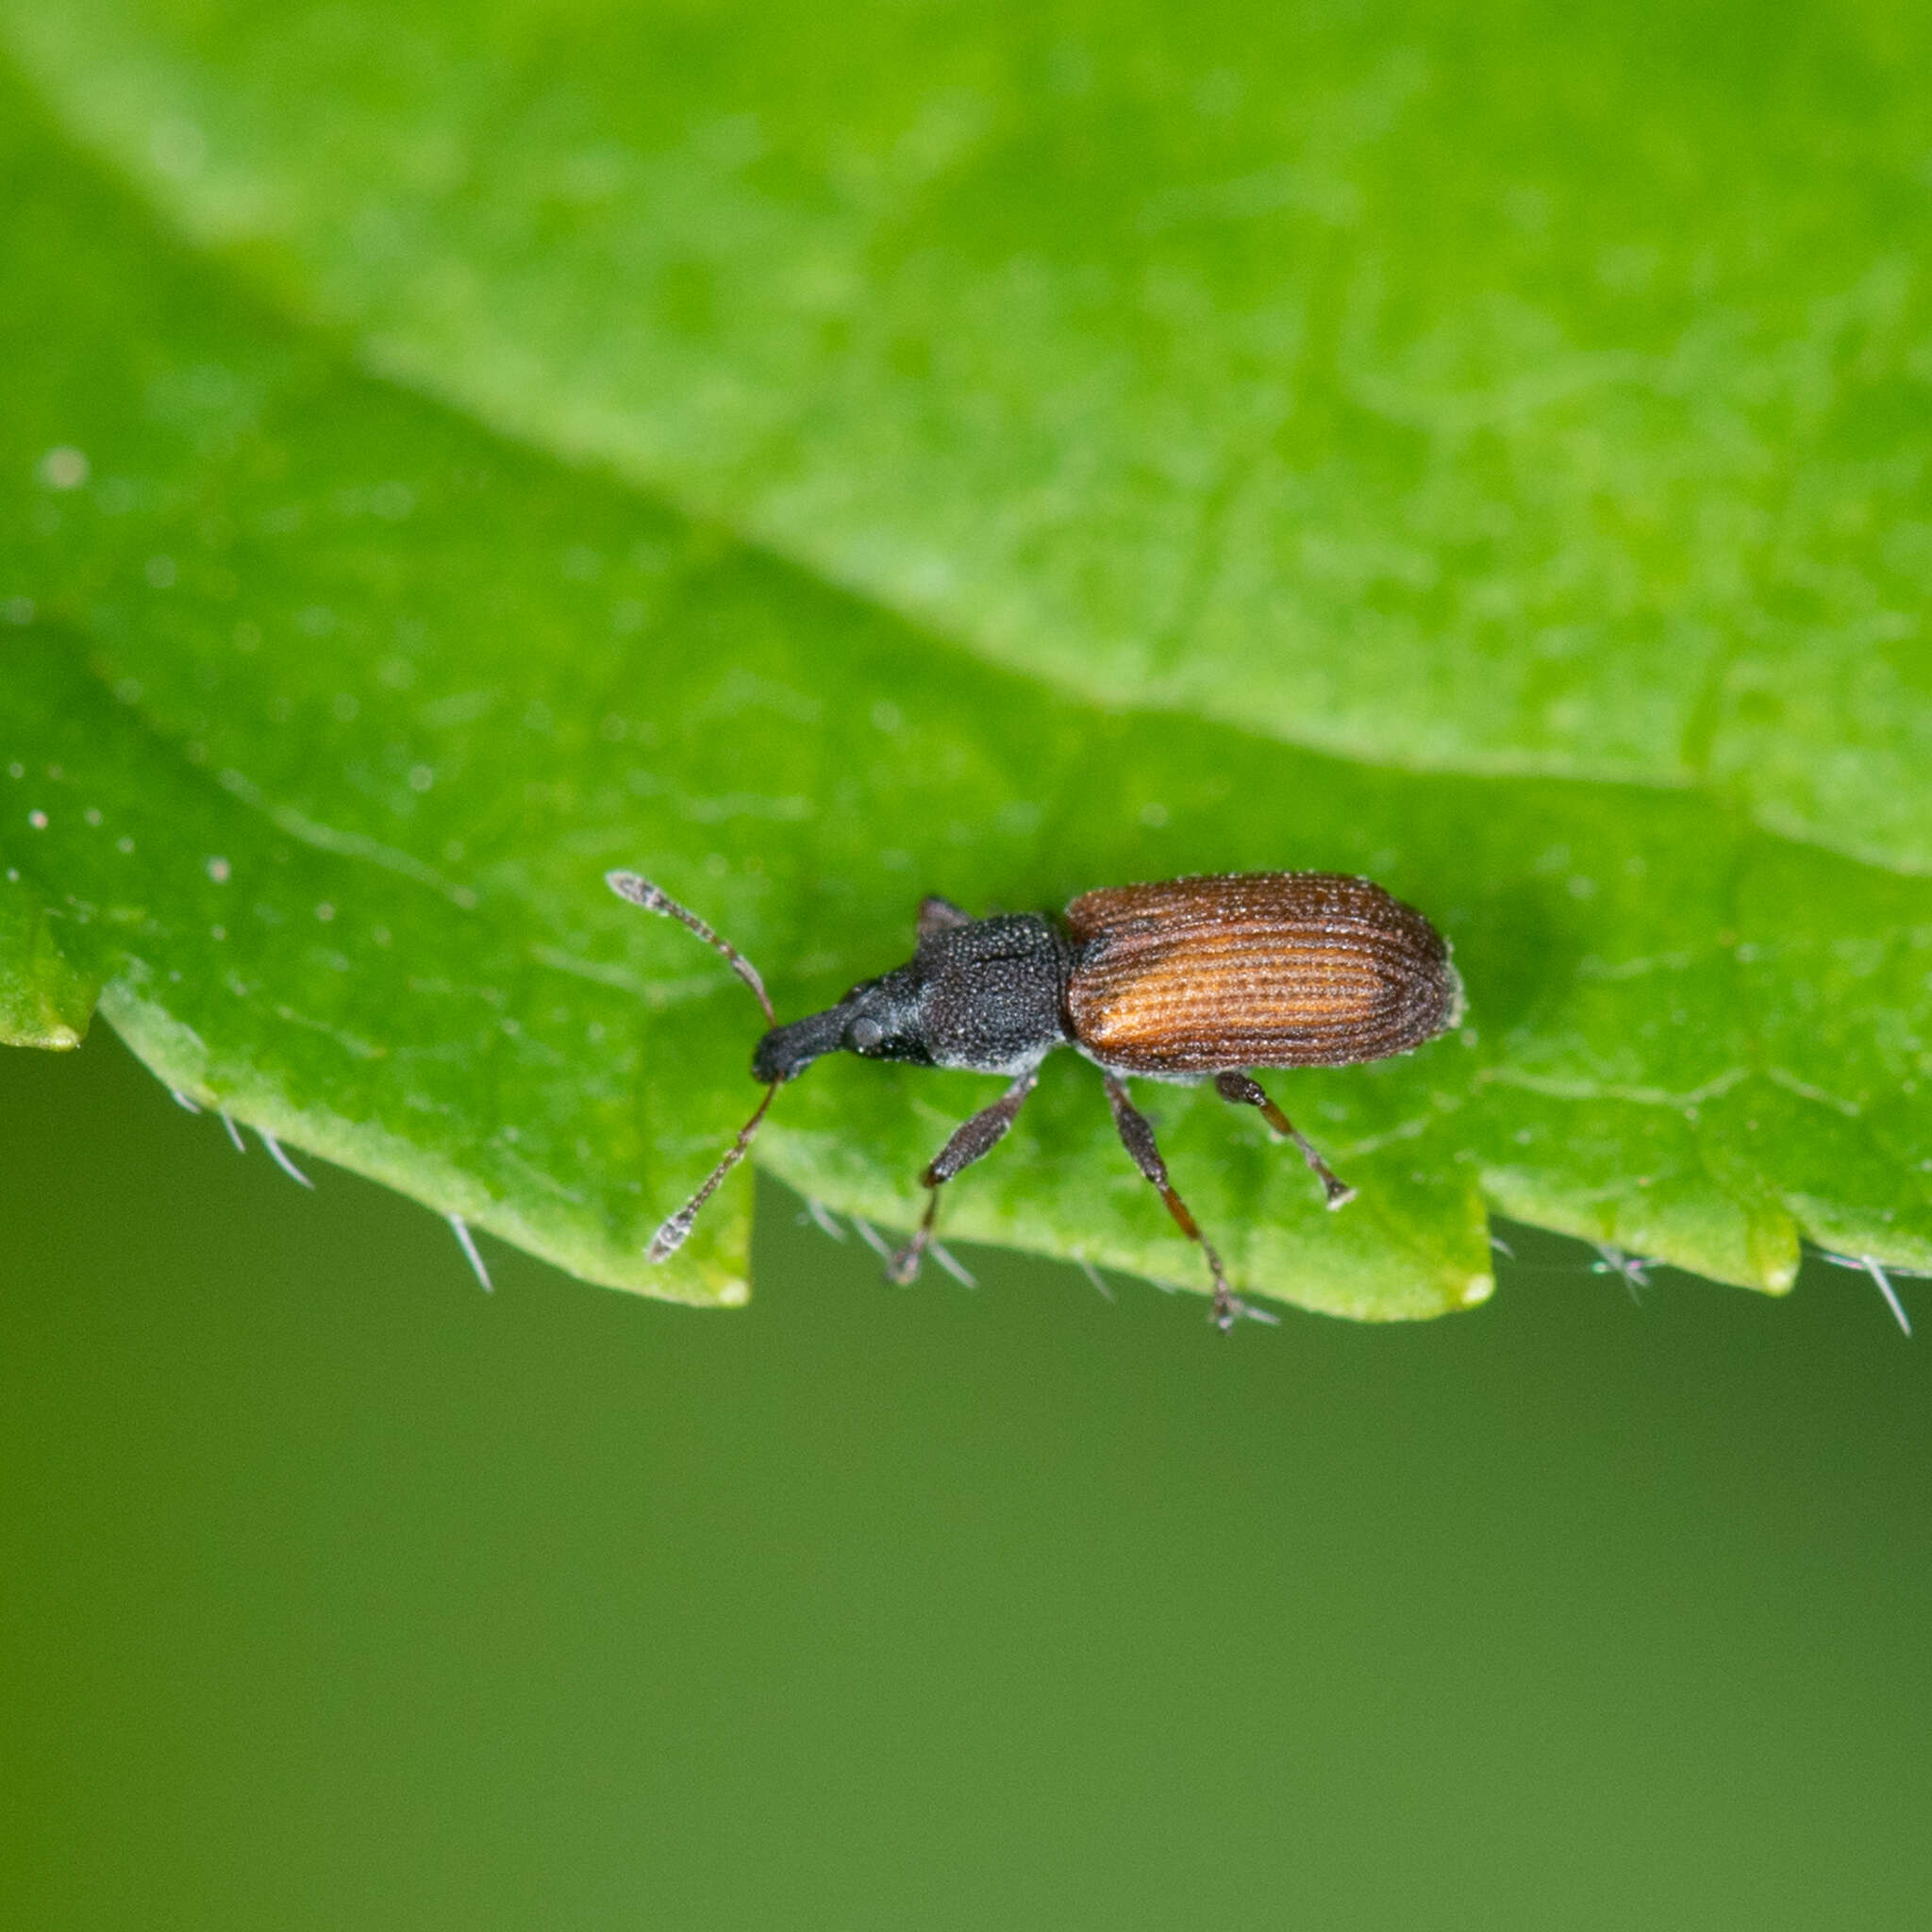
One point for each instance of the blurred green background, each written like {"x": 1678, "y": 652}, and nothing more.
{"x": 340, "y": 1595}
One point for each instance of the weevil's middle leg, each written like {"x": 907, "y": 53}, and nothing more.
{"x": 1137, "y": 1137}
{"x": 978, "y": 1136}
{"x": 1246, "y": 1092}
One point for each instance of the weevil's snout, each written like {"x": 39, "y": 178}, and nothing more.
{"x": 880, "y": 1020}
{"x": 785, "y": 1052}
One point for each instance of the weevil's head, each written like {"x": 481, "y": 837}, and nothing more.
{"x": 984, "y": 994}
{"x": 879, "y": 1020}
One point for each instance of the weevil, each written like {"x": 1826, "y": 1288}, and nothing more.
{"x": 1189, "y": 981}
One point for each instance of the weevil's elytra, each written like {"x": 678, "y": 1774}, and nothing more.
{"x": 1267, "y": 969}
{"x": 1186, "y": 980}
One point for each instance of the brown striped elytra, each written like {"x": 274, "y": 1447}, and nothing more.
{"x": 1280, "y": 969}
{"x": 1186, "y": 980}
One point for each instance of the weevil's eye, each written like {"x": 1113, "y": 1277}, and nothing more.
{"x": 865, "y": 1035}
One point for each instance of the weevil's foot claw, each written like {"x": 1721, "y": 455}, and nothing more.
{"x": 1340, "y": 1193}
{"x": 902, "y": 1269}
{"x": 1230, "y": 1308}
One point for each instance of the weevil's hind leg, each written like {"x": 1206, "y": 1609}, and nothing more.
{"x": 1246, "y": 1092}
{"x": 1137, "y": 1137}
{"x": 978, "y": 1136}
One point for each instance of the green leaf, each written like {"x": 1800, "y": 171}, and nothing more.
{"x": 44, "y": 1001}
{"x": 1012, "y": 443}
{"x": 1486, "y": 387}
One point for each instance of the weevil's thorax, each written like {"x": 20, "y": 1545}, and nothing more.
{"x": 992, "y": 992}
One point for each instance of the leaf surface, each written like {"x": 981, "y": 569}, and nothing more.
{"x": 1483, "y": 388}
{"x": 375, "y": 687}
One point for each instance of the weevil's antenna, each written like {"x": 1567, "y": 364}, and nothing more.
{"x": 670, "y": 1237}
{"x": 640, "y": 892}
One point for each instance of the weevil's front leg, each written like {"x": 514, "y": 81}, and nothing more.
{"x": 978, "y": 1136}
{"x": 1246, "y": 1092}
{"x": 937, "y": 915}
{"x": 1137, "y": 1136}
